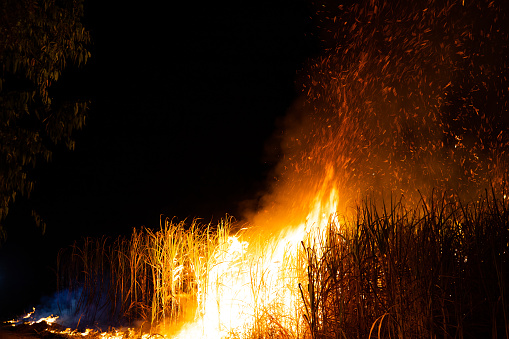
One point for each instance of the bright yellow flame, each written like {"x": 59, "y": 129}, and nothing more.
{"x": 29, "y": 314}
{"x": 251, "y": 278}
{"x": 50, "y": 319}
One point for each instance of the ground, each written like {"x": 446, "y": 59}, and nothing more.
{"x": 28, "y": 332}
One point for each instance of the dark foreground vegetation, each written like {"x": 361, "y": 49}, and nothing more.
{"x": 439, "y": 270}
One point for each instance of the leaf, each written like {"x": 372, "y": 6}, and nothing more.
{"x": 39, "y": 40}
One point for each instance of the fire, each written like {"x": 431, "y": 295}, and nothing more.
{"x": 50, "y": 319}
{"x": 408, "y": 100}
{"x": 253, "y": 279}
{"x": 29, "y": 319}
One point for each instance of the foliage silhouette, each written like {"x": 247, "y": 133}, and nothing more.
{"x": 38, "y": 40}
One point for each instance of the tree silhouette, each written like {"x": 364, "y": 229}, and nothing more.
{"x": 38, "y": 39}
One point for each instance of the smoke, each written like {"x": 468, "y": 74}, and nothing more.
{"x": 410, "y": 97}
{"x": 61, "y": 303}
{"x": 68, "y": 306}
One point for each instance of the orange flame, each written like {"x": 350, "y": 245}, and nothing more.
{"x": 252, "y": 277}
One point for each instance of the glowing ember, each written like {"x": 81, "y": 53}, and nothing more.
{"x": 29, "y": 319}
{"x": 29, "y": 314}
{"x": 409, "y": 100}
{"x": 411, "y": 97}
{"x": 50, "y": 319}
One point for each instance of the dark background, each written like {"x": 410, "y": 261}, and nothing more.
{"x": 185, "y": 99}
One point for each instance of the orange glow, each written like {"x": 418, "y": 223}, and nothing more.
{"x": 384, "y": 114}
{"x": 252, "y": 277}
{"x": 27, "y": 319}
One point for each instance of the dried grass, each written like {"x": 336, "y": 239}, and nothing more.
{"x": 435, "y": 270}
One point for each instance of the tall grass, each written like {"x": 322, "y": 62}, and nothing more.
{"x": 275, "y": 269}
{"x": 150, "y": 278}
{"x": 438, "y": 269}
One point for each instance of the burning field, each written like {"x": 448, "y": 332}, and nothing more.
{"x": 388, "y": 216}
{"x": 435, "y": 269}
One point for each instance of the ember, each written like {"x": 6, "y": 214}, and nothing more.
{"x": 408, "y": 108}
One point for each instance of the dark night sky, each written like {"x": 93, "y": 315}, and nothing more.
{"x": 184, "y": 100}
